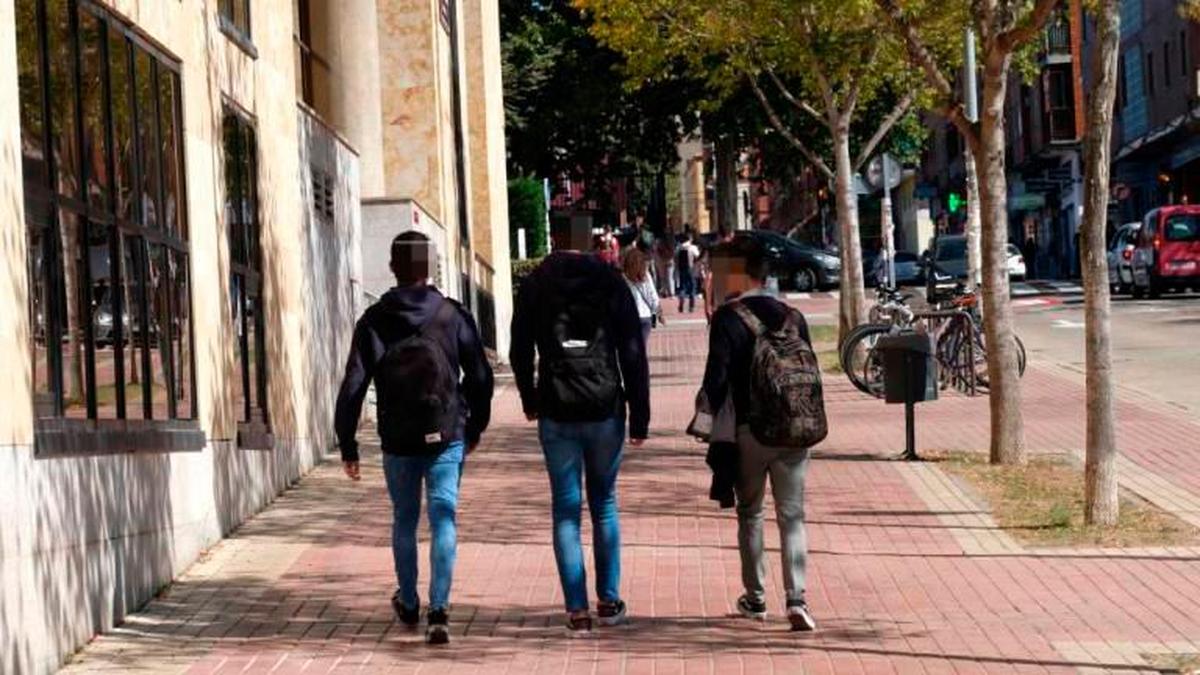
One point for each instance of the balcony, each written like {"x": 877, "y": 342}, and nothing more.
{"x": 1056, "y": 43}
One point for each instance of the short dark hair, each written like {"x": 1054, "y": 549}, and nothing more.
{"x": 750, "y": 251}
{"x": 412, "y": 258}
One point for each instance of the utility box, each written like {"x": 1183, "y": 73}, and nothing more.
{"x": 909, "y": 370}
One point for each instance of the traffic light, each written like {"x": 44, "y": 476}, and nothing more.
{"x": 954, "y": 202}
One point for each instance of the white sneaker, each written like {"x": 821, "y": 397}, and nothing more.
{"x": 799, "y": 616}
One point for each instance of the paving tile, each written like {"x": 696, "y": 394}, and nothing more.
{"x": 906, "y": 573}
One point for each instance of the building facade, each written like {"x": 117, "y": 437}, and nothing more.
{"x": 192, "y": 199}
{"x": 1156, "y": 131}
{"x": 1046, "y": 117}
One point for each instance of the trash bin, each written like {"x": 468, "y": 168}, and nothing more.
{"x": 909, "y": 377}
{"x": 909, "y": 370}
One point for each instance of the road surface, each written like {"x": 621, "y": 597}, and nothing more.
{"x": 1156, "y": 343}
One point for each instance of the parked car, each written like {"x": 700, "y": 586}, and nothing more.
{"x": 1120, "y": 255}
{"x": 909, "y": 269}
{"x": 1167, "y": 255}
{"x": 947, "y": 257}
{"x": 803, "y": 268}
{"x": 1016, "y": 263}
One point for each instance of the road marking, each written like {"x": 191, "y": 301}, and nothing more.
{"x": 1063, "y": 323}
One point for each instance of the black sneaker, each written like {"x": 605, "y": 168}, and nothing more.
{"x": 752, "y": 609}
{"x": 409, "y": 617}
{"x": 438, "y": 632}
{"x": 799, "y": 616}
{"x": 579, "y": 624}
{"x": 612, "y": 613}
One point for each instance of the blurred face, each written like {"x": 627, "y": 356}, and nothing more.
{"x": 412, "y": 262}
{"x": 729, "y": 274}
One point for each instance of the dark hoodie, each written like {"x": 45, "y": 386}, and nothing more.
{"x": 577, "y": 275}
{"x": 394, "y": 318}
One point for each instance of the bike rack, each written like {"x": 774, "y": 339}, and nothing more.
{"x": 969, "y": 381}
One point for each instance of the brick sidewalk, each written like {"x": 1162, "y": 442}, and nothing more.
{"x": 906, "y": 573}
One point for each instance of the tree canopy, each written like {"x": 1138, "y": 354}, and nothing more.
{"x": 567, "y": 104}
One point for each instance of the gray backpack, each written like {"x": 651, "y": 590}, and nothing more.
{"x": 787, "y": 406}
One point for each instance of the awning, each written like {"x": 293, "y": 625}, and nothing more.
{"x": 1163, "y": 133}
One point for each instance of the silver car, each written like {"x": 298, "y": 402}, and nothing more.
{"x": 1120, "y": 257}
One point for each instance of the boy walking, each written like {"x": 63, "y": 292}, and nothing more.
{"x": 434, "y": 387}
{"x": 760, "y": 354}
{"x": 578, "y": 316}
{"x": 685, "y": 266}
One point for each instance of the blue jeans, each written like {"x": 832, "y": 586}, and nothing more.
{"x": 575, "y": 451}
{"x": 687, "y": 291}
{"x": 441, "y": 475}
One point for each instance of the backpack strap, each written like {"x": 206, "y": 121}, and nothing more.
{"x": 749, "y": 318}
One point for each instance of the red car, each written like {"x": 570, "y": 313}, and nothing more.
{"x": 1167, "y": 251}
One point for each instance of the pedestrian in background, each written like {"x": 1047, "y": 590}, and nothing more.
{"x": 664, "y": 251}
{"x": 685, "y": 267}
{"x": 434, "y": 388}
{"x": 637, "y": 277}
{"x": 761, "y": 355}
{"x": 576, "y": 316}
{"x": 608, "y": 248}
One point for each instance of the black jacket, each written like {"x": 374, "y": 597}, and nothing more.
{"x": 731, "y": 349}
{"x": 566, "y": 273}
{"x": 395, "y": 317}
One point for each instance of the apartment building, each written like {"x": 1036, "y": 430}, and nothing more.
{"x": 1156, "y": 135}
{"x": 192, "y": 199}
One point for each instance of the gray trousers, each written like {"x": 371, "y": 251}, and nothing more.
{"x": 787, "y": 468}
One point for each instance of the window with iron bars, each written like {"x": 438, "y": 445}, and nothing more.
{"x": 106, "y": 218}
{"x": 240, "y": 144}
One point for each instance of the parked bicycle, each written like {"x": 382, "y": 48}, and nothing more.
{"x": 955, "y": 324}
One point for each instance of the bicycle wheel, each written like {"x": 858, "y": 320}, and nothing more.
{"x": 1021, "y": 357}
{"x": 855, "y": 357}
{"x": 981, "y": 359}
{"x": 956, "y": 367}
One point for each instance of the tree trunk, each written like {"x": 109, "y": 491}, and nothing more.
{"x": 974, "y": 250}
{"x": 74, "y": 395}
{"x": 727, "y": 182}
{"x": 1008, "y": 428}
{"x": 852, "y": 310}
{"x": 1101, "y": 500}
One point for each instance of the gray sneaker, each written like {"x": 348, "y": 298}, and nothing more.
{"x": 799, "y": 616}
{"x": 752, "y": 609}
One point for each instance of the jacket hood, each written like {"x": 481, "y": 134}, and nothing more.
{"x": 576, "y": 272}
{"x": 412, "y": 306}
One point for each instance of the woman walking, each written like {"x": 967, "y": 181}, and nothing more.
{"x": 636, "y": 267}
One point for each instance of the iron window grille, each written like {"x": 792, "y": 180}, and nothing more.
{"x": 246, "y": 266}
{"x": 106, "y": 221}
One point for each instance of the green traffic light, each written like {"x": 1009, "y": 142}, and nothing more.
{"x": 954, "y": 202}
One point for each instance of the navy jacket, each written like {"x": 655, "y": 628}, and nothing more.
{"x": 397, "y": 315}
{"x": 563, "y": 273}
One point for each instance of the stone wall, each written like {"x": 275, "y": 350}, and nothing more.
{"x": 86, "y": 539}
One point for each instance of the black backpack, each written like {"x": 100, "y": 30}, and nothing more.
{"x": 418, "y": 405}
{"x": 683, "y": 260}
{"x": 578, "y": 377}
{"x": 787, "y": 403}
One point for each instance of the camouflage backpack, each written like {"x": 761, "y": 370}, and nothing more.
{"x": 787, "y": 407}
